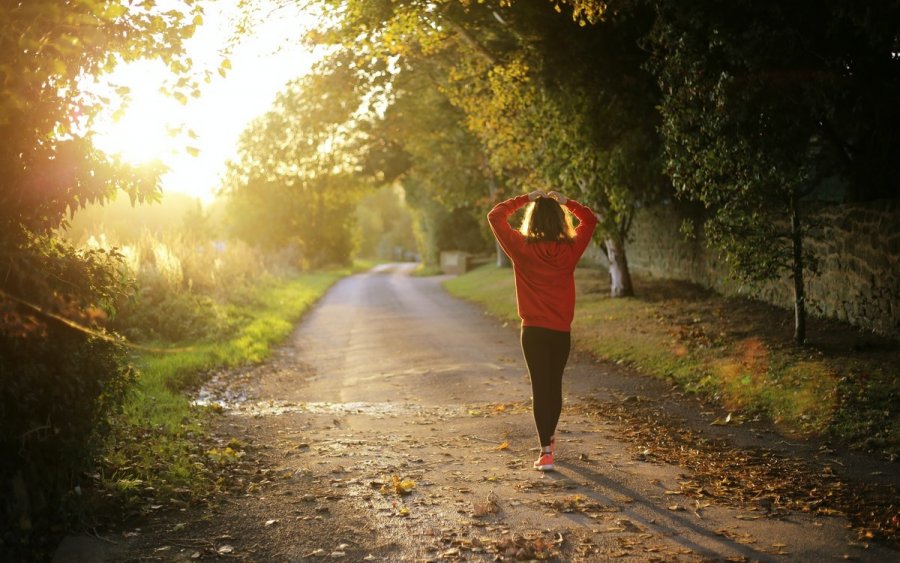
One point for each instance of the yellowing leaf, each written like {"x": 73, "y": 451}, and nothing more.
{"x": 398, "y": 486}
{"x": 503, "y": 446}
{"x": 721, "y": 421}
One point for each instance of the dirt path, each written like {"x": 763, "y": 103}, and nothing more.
{"x": 395, "y": 425}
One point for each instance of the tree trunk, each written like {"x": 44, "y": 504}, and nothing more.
{"x": 619, "y": 276}
{"x": 797, "y": 274}
{"x": 502, "y": 259}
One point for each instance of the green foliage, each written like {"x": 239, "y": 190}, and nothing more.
{"x": 59, "y": 383}
{"x": 48, "y": 50}
{"x": 157, "y": 313}
{"x": 183, "y": 285}
{"x": 292, "y": 184}
{"x": 486, "y": 99}
{"x": 439, "y": 228}
{"x": 59, "y": 388}
{"x": 48, "y": 166}
{"x": 78, "y": 283}
{"x": 444, "y": 171}
{"x": 385, "y": 225}
{"x": 762, "y": 104}
{"x": 728, "y": 136}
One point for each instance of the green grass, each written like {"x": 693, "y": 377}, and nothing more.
{"x": 707, "y": 345}
{"x": 153, "y": 450}
{"x": 270, "y": 315}
{"x": 425, "y": 271}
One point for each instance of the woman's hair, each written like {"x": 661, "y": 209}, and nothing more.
{"x": 545, "y": 220}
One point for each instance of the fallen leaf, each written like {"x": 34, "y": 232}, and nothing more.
{"x": 398, "y": 486}
{"x": 721, "y": 421}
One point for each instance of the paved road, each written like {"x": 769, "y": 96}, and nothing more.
{"x": 386, "y": 336}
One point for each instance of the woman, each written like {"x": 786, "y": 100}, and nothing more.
{"x": 544, "y": 255}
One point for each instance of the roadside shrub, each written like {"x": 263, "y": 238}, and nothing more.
{"x": 59, "y": 382}
{"x": 58, "y": 390}
{"x": 158, "y": 314}
{"x": 180, "y": 285}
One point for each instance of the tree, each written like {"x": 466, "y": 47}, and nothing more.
{"x": 293, "y": 183}
{"x": 573, "y": 108}
{"x": 445, "y": 174}
{"x": 386, "y": 225}
{"x": 59, "y": 383}
{"x": 765, "y": 101}
{"x": 48, "y": 166}
{"x": 552, "y": 103}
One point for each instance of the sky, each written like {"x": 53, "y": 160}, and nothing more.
{"x": 261, "y": 64}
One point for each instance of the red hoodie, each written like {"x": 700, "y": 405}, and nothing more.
{"x": 544, "y": 271}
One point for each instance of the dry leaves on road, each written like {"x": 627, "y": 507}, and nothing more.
{"x": 752, "y": 478}
{"x": 398, "y": 486}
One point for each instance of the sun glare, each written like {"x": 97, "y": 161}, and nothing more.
{"x": 144, "y": 132}
{"x": 195, "y": 140}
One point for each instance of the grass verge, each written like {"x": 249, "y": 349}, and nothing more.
{"x": 156, "y": 453}
{"x": 423, "y": 271}
{"x": 734, "y": 352}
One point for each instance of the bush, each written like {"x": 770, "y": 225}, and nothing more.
{"x": 155, "y": 314}
{"x": 180, "y": 286}
{"x": 58, "y": 390}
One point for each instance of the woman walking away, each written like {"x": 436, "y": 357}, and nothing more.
{"x": 544, "y": 253}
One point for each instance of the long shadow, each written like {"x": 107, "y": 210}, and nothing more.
{"x": 663, "y": 520}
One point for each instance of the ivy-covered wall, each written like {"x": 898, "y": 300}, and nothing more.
{"x": 857, "y": 244}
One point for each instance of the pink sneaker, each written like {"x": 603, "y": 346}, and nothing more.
{"x": 545, "y": 462}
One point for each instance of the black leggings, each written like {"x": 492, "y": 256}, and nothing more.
{"x": 546, "y": 353}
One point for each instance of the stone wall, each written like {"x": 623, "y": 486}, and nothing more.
{"x": 858, "y": 246}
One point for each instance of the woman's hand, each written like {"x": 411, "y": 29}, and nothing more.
{"x": 536, "y": 194}
{"x": 560, "y": 199}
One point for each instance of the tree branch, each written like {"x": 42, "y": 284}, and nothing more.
{"x": 473, "y": 43}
